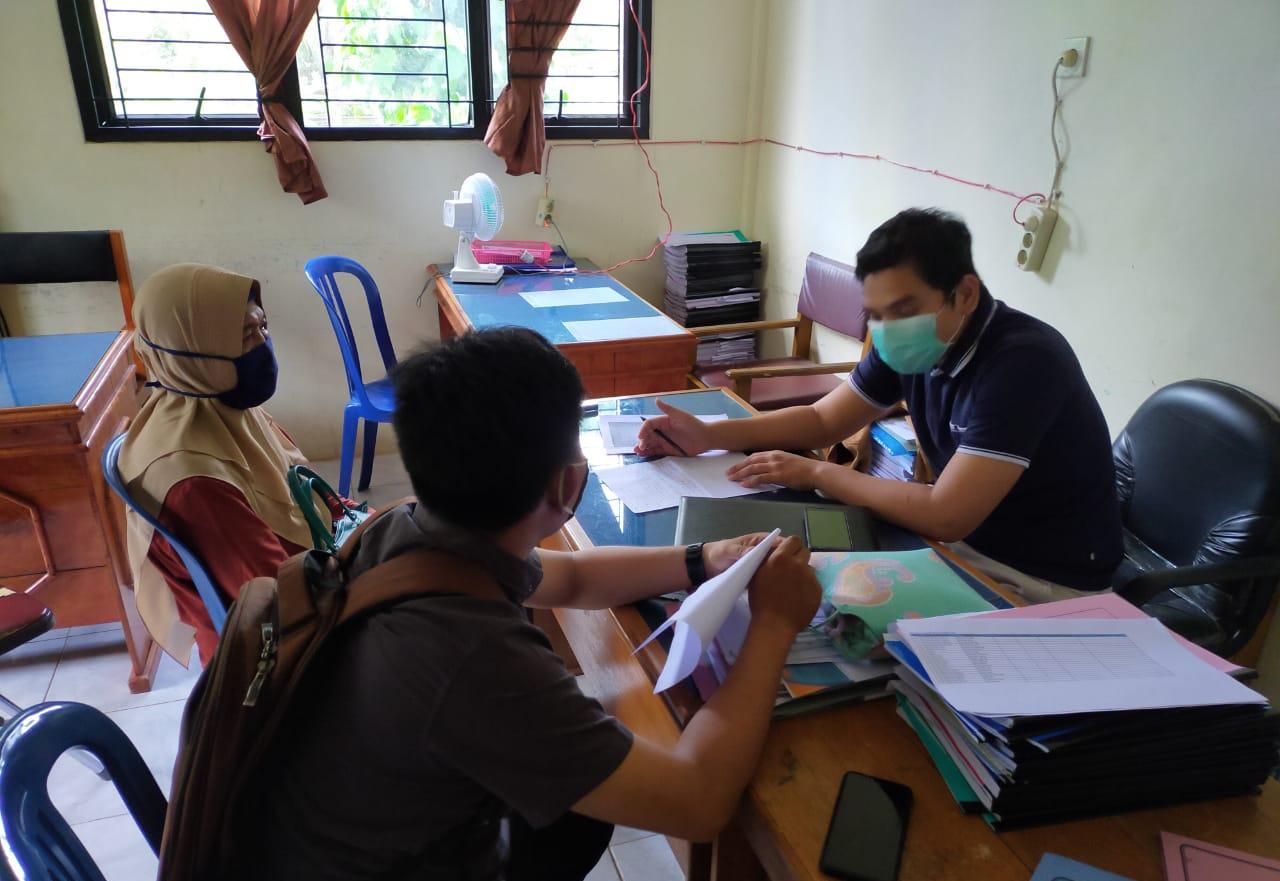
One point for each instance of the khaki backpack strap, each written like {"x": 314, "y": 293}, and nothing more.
{"x": 415, "y": 574}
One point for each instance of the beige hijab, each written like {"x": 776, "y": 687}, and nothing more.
{"x": 199, "y": 309}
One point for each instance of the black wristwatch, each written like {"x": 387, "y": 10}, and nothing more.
{"x": 694, "y": 564}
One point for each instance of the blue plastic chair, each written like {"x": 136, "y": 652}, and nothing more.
{"x": 375, "y": 401}
{"x": 213, "y": 601}
{"x": 36, "y": 844}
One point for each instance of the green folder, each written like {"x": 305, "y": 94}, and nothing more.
{"x": 961, "y": 791}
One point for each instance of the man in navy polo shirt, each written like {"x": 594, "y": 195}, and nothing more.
{"x": 1000, "y": 406}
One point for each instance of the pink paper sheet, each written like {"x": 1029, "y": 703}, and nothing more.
{"x": 1104, "y": 605}
{"x": 1186, "y": 859}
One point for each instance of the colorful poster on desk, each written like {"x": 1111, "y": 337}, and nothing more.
{"x": 1186, "y": 859}
{"x": 872, "y": 589}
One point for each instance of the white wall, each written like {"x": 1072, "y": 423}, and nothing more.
{"x": 220, "y": 202}
{"x": 1165, "y": 263}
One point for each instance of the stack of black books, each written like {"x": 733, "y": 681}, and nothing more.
{"x": 711, "y": 280}
{"x": 1025, "y": 770}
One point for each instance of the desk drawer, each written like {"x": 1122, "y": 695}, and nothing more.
{"x": 70, "y": 524}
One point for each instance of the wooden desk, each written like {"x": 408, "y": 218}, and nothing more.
{"x": 785, "y": 811}
{"x": 62, "y": 397}
{"x": 620, "y": 365}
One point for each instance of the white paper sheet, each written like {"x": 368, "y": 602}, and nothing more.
{"x": 622, "y": 433}
{"x": 652, "y": 486}
{"x": 993, "y": 667}
{"x": 605, "y": 329}
{"x": 573, "y": 297}
{"x": 701, "y": 616}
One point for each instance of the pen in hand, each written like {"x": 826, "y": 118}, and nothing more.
{"x": 662, "y": 434}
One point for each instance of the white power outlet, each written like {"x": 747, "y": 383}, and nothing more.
{"x": 1036, "y": 230}
{"x": 545, "y": 208}
{"x": 1080, "y": 46}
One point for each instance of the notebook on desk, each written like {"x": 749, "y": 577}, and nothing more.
{"x": 822, "y": 526}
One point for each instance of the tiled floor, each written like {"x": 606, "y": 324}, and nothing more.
{"x": 89, "y": 664}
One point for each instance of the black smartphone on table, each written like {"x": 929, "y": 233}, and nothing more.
{"x": 867, "y": 831}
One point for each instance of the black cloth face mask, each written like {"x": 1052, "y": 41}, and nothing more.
{"x": 256, "y": 375}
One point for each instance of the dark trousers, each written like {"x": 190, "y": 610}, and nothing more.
{"x": 564, "y": 851}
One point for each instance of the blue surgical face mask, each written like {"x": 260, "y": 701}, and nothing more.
{"x": 909, "y": 345}
{"x": 256, "y": 375}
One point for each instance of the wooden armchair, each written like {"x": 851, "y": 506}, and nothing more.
{"x": 830, "y": 296}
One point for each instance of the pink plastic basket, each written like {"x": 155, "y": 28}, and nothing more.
{"x": 512, "y": 252}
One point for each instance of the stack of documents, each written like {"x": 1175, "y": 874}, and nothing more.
{"x": 893, "y": 449}
{"x": 653, "y": 486}
{"x": 710, "y": 627}
{"x": 1043, "y": 719}
{"x": 816, "y": 675}
{"x": 711, "y": 279}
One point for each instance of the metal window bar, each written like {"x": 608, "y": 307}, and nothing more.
{"x": 110, "y": 9}
{"x": 324, "y": 77}
{"x": 172, "y": 40}
{"x": 326, "y": 72}
{"x": 448, "y": 84}
{"x": 375, "y": 18}
{"x": 183, "y": 70}
{"x": 324, "y": 45}
{"x": 115, "y": 63}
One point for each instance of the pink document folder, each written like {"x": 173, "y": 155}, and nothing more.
{"x": 1186, "y": 859}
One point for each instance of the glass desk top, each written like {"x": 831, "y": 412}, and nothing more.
{"x": 39, "y": 370}
{"x": 500, "y": 305}
{"x": 607, "y": 521}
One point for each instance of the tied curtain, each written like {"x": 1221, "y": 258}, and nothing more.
{"x": 267, "y": 34}
{"x": 534, "y": 30}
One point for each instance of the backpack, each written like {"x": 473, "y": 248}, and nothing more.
{"x": 273, "y": 633}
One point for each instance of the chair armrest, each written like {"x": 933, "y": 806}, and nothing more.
{"x": 1144, "y": 587}
{"x": 744, "y": 326}
{"x": 797, "y": 370}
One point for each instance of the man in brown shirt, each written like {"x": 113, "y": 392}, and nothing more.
{"x": 442, "y": 738}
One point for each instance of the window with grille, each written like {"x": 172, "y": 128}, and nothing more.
{"x": 164, "y": 70}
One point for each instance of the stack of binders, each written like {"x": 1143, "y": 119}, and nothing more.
{"x": 1209, "y": 739}
{"x": 893, "y": 449}
{"x": 711, "y": 280}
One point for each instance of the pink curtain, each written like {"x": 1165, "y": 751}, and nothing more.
{"x": 267, "y": 33}
{"x": 534, "y": 30}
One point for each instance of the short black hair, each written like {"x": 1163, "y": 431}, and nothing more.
{"x": 483, "y": 421}
{"x": 933, "y": 242}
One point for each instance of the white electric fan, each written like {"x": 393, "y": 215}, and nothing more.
{"x": 475, "y": 211}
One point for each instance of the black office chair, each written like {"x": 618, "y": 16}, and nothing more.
{"x": 65, "y": 257}
{"x": 1198, "y": 473}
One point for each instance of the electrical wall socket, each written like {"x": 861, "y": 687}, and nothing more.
{"x": 1036, "y": 231}
{"x": 1081, "y": 45}
{"x": 545, "y": 207}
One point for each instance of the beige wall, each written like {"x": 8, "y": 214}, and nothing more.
{"x": 220, "y": 203}
{"x": 1165, "y": 264}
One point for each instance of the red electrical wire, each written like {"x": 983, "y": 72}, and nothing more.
{"x": 657, "y": 180}
{"x": 648, "y": 160}
{"x": 1039, "y": 196}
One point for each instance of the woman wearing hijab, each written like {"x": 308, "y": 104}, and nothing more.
{"x": 202, "y": 455}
